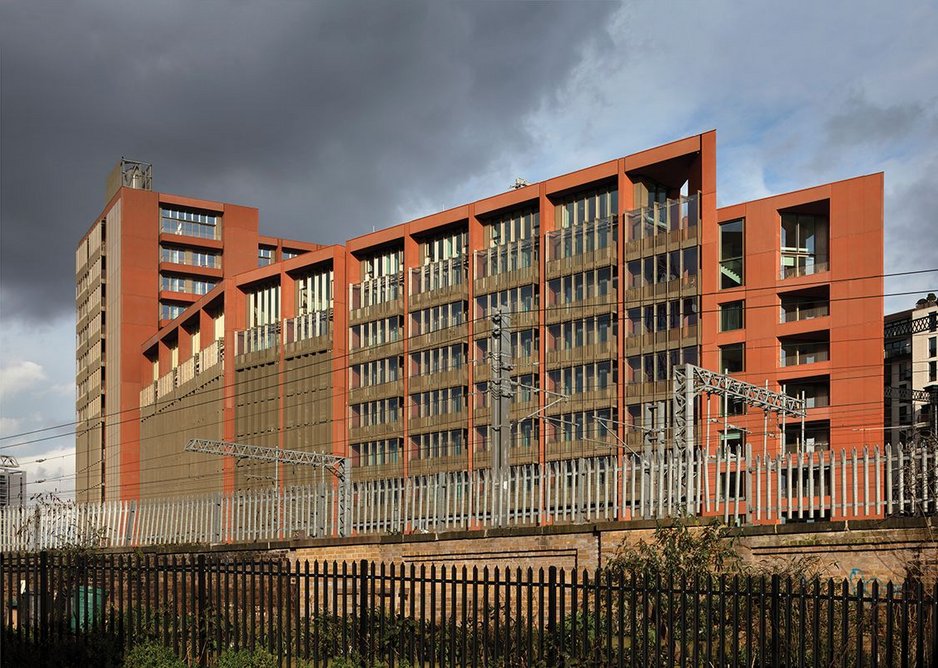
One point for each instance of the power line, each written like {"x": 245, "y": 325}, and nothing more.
{"x": 544, "y": 309}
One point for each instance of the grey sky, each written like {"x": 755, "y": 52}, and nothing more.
{"x": 334, "y": 118}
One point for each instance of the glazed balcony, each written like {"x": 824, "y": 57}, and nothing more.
{"x": 662, "y": 224}
{"x": 376, "y": 298}
{"x": 438, "y": 282}
{"x": 506, "y": 265}
{"x": 582, "y": 308}
{"x": 582, "y": 247}
{"x": 310, "y": 331}
{"x": 581, "y": 354}
{"x": 387, "y": 429}
{"x": 257, "y": 339}
{"x": 359, "y": 395}
{"x": 439, "y": 379}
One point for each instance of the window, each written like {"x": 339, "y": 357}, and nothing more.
{"x": 176, "y": 255}
{"x": 189, "y": 223}
{"x": 584, "y": 377}
{"x": 804, "y": 351}
{"x": 438, "y": 360}
{"x": 731, "y": 254}
{"x": 583, "y": 285}
{"x": 732, "y": 440}
{"x": 731, "y": 316}
{"x": 173, "y": 283}
{"x": 733, "y": 358}
{"x": 805, "y": 304}
{"x": 817, "y": 436}
{"x": 376, "y": 332}
{"x": 594, "y": 330}
{"x": 804, "y": 244}
{"x": 375, "y": 372}
{"x": 440, "y": 444}
{"x": 732, "y": 406}
{"x": 376, "y": 453}
{"x": 202, "y": 287}
{"x": 438, "y": 402}
{"x": 582, "y": 238}
{"x": 816, "y": 392}
{"x": 932, "y": 372}
{"x": 933, "y": 346}
{"x": 513, "y": 300}
{"x": 265, "y": 256}
{"x": 373, "y": 413}
{"x": 205, "y": 259}
{"x": 171, "y": 311}
{"x": 440, "y": 317}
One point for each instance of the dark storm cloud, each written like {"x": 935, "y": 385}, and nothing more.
{"x": 328, "y": 117}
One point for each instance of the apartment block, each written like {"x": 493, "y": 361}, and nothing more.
{"x": 613, "y": 275}
{"x": 911, "y": 372}
{"x": 146, "y": 258}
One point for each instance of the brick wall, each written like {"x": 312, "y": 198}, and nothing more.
{"x": 878, "y": 550}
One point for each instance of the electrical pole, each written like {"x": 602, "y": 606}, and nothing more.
{"x": 501, "y": 391}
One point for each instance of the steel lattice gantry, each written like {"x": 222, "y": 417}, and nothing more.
{"x": 921, "y": 396}
{"x": 690, "y": 381}
{"x": 340, "y": 467}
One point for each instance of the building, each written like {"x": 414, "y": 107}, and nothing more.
{"x": 145, "y": 259}
{"x": 378, "y": 349}
{"x": 911, "y": 372}
{"x": 12, "y": 483}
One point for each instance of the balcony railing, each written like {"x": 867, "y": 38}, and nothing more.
{"x": 795, "y": 312}
{"x": 148, "y": 395}
{"x": 166, "y": 383}
{"x": 583, "y": 238}
{"x": 439, "y": 275}
{"x": 308, "y": 326}
{"x": 503, "y": 258}
{"x": 680, "y": 216}
{"x": 376, "y": 291}
{"x": 187, "y": 370}
{"x": 805, "y": 353}
{"x": 212, "y": 355}
{"x": 256, "y": 339}
{"x": 796, "y": 262}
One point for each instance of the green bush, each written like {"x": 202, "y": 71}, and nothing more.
{"x": 247, "y": 659}
{"x": 152, "y": 655}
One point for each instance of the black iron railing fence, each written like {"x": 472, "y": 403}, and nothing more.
{"x": 362, "y": 613}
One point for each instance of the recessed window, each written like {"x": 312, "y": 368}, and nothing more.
{"x": 933, "y": 346}
{"x": 731, "y": 316}
{"x": 805, "y": 349}
{"x": 733, "y": 358}
{"x": 265, "y": 256}
{"x": 731, "y": 254}
{"x": 804, "y": 244}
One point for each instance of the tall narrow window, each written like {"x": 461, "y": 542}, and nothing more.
{"x": 733, "y": 358}
{"x": 731, "y": 254}
{"x": 731, "y": 316}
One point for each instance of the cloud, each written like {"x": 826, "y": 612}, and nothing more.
{"x": 20, "y": 377}
{"x": 9, "y": 425}
{"x": 331, "y": 117}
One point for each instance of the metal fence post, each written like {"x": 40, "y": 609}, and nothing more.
{"x": 551, "y": 615}
{"x": 43, "y": 603}
{"x": 363, "y": 612}
{"x": 202, "y": 620}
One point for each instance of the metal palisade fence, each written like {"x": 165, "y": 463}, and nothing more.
{"x": 90, "y": 608}
{"x": 735, "y": 485}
